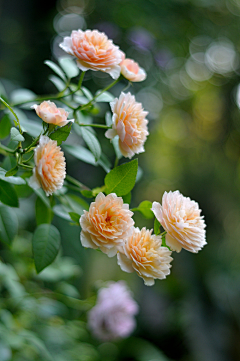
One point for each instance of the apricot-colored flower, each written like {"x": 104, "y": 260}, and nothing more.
{"x": 94, "y": 51}
{"x": 129, "y": 123}
{"x": 180, "y": 217}
{"x": 107, "y": 224}
{"x": 50, "y": 113}
{"x": 143, "y": 252}
{"x": 49, "y": 171}
{"x": 132, "y": 71}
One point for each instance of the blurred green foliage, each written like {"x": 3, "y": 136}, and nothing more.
{"x": 190, "y": 50}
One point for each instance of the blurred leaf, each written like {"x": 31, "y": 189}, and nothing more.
{"x": 87, "y": 194}
{"x": 145, "y": 208}
{"x": 80, "y": 152}
{"x": 8, "y": 224}
{"x": 59, "y": 84}
{"x": 61, "y": 134}
{"x": 77, "y": 204}
{"x": 40, "y": 193}
{"x": 22, "y": 95}
{"x": 139, "y": 174}
{"x": 104, "y": 97}
{"x": 69, "y": 66}
{"x": 16, "y": 136}
{"x": 108, "y": 119}
{"x": 115, "y": 143}
{"x": 5, "y": 126}
{"x": 46, "y": 244}
{"x": 31, "y": 338}
{"x": 104, "y": 163}
{"x": 56, "y": 69}
{"x": 87, "y": 93}
{"x": 8, "y": 194}
{"x": 121, "y": 180}
{"x": 62, "y": 211}
{"x": 75, "y": 217}
{"x": 12, "y": 171}
{"x": 127, "y": 198}
{"x": 10, "y": 179}
{"x": 157, "y": 226}
{"x": 44, "y": 214}
{"x": 62, "y": 268}
{"x": 32, "y": 127}
{"x": 92, "y": 142}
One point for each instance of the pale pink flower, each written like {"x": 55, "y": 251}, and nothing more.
{"x": 94, "y": 51}
{"x": 50, "y": 165}
{"x": 112, "y": 317}
{"x": 129, "y": 123}
{"x": 50, "y": 113}
{"x": 143, "y": 253}
{"x": 132, "y": 71}
{"x": 107, "y": 224}
{"x": 180, "y": 217}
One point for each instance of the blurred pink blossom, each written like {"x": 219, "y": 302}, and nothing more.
{"x": 112, "y": 316}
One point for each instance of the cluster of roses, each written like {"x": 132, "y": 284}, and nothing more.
{"x": 108, "y": 225}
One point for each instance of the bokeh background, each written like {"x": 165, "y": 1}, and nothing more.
{"x": 190, "y": 50}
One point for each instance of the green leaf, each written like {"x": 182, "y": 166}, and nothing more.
{"x": 80, "y": 153}
{"x": 62, "y": 211}
{"x": 8, "y": 194}
{"x": 77, "y": 204}
{"x": 145, "y": 208}
{"x": 115, "y": 143}
{"x": 127, "y": 198}
{"x": 41, "y": 194}
{"x": 56, "y": 69}
{"x": 108, "y": 119}
{"x": 104, "y": 97}
{"x": 22, "y": 95}
{"x": 92, "y": 142}
{"x": 5, "y": 126}
{"x": 87, "y": 194}
{"x": 61, "y": 134}
{"x": 16, "y": 136}
{"x": 8, "y": 224}
{"x": 46, "y": 244}
{"x": 69, "y": 66}
{"x": 43, "y": 213}
{"x": 157, "y": 226}
{"x": 9, "y": 179}
{"x": 12, "y": 171}
{"x": 75, "y": 217}
{"x": 105, "y": 163}
{"x": 87, "y": 93}
{"x": 121, "y": 180}
{"x": 32, "y": 127}
{"x": 59, "y": 84}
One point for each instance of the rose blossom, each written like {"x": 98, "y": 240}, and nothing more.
{"x": 180, "y": 217}
{"x": 132, "y": 71}
{"x": 49, "y": 171}
{"x": 107, "y": 224}
{"x": 112, "y": 317}
{"x": 49, "y": 113}
{"x": 143, "y": 252}
{"x": 94, "y": 51}
{"x": 129, "y": 123}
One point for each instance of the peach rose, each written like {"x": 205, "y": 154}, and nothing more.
{"x": 180, "y": 217}
{"x": 132, "y": 71}
{"x": 107, "y": 224}
{"x": 129, "y": 123}
{"x": 94, "y": 51}
{"x": 49, "y": 171}
{"x": 143, "y": 252}
{"x": 49, "y": 113}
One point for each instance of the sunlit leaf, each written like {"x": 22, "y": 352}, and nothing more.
{"x": 46, "y": 244}
{"x": 145, "y": 208}
{"x": 69, "y": 66}
{"x": 157, "y": 226}
{"x": 121, "y": 180}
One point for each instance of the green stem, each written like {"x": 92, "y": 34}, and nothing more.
{"x": 76, "y": 182}
{"x": 94, "y": 125}
{"x": 81, "y": 107}
{"x": 14, "y": 114}
{"x": 81, "y": 80}
{"x": 116, "y": 162}
{"x": 6, "y": 149}
{"x": 25, "y": 166}
{"x": 32, "y": 144}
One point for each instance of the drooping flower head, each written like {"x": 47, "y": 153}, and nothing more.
{"x": 50, "y": 113}
{"x": 132, "y": 71}
{"x": 107, "y": 224}
{"x": 94, "y": 51}
{"x": 181, "y": 219}
{"x": 129, "y": 123}
{"x": 50, "y": 165}
{"x": 143, "y": 253}
{"x": 112, "y": 317}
